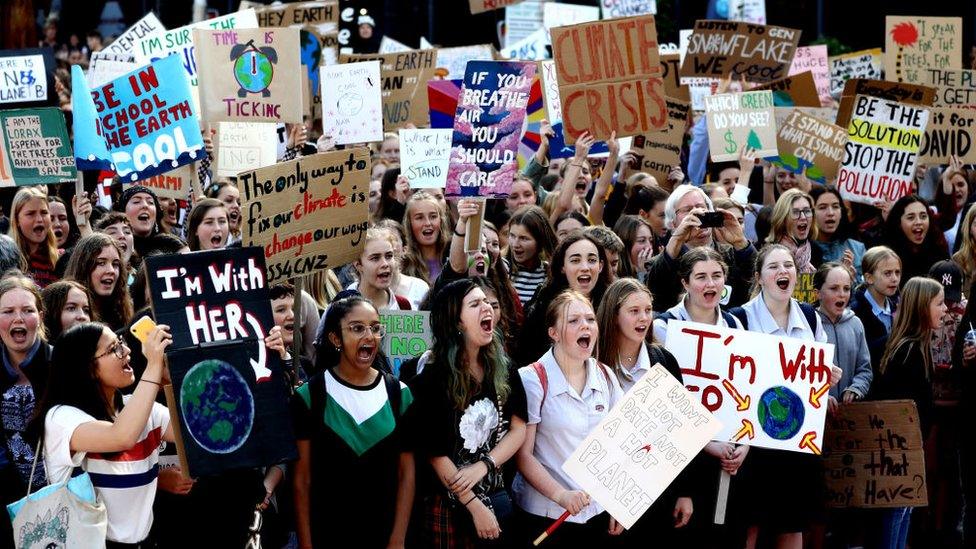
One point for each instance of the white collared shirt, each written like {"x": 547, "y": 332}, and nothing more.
{"x": 680, "y": 312}
{"x": 562, "y": 423}
{"x": 628, "y": 378}
{"x": 760, "y": 320}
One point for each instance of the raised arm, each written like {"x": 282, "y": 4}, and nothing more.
{"x": 567, "y": 188}
{"x": 599, "y": 200}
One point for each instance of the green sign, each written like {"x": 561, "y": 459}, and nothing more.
{"x": 35, "y": 149}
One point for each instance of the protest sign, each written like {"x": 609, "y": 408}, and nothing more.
{"x": 309, "y": 214}
{"x": 27, "y": 78}
{"x": 407, "y": 336}
{"x": 670, "y": 64}
{"x": 793, "y": 91}
{"x": 814, "y": 59}
{"x": 405, "y": 76}
{"x": 531, "y": 48}
{"x": 639, "y": 448}
{"x": 479, "y": 6}
{"x": 488, "y": 128}
{"x": 757, "y": 53}
{"x": 549, "y": 84}
{"x": 424, "y": 156}
{"x": 103, "y": 69}
{"x": 873, "y": 456}
{"x": 125, "y": 44}
{"x": 804, "y": 292}
{"x": 174, "y": 184}
{"x": 35, "y": 148}
{"x": 557, "y": 14}
{"x": 625, "y": 94}
{"x": 810, "y": 146}
{"x": 322, "y": 16}
{"x": 950, "y": 132}
{"x": 913, "y": 44}
{"x": 900, "y": 92}
{"x": 627, "y": 8}
{"x": 884, "y": 139}
{"x": 767, "y": 391}
{"x": 749, "y": 11}
{"x": 230, "y": 389}
{"x": 389, "y": 45}
{"x": 521, "y": 20}
{"x": 244, "y": 146}
{"x": 661, "y": 151}
{"x": 738, "y": 120}
{"x": 864, "y": 64}
{"x": 953, "y": 88}
{"x": 249, "y": 75}
{"x": 139, "y": 125}
{"x": 352, "y": 102}
{"x": 452, "y": 61}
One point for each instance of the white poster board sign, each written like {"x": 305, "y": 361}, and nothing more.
{"x": 22, "y": 79}
{"x": 352, "y": 102}
{"x": 244, "y": 146}
{"x": 424, "y": 156}
{"x": 143, "y": 28}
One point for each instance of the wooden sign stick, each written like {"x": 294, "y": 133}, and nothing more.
{"x": 80, "y": 191}
{"x": 296, "y": 344}
{"x": 472, "y": 232}
{"x": 722, "y": 500}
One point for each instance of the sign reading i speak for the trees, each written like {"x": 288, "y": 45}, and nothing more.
{"x": 757, "y": 53}
{"x": 35, "y": 148}
{"x": 740, "y": 120}
{"x": 913, "y": 44}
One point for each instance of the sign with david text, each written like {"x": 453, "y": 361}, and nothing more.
{"x": 950, "y": 132}
{"x": 35, "y": 148}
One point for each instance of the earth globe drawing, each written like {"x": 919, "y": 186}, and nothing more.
{"x": 780, "y": 413}
{"x": 253, "y": 68}
{"x": 217, "y": 406}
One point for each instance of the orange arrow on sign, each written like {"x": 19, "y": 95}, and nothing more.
{"x": 745, "y": 431}
{"x": 743, "y": 403}
{"x": 817, "y": 394}
{"x": 807, "y": 442}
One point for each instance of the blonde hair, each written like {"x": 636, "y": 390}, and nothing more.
{"x": 557, "y": 307}
{"x": 323, "y": 286}
{"x": 608, "y": 348}
{"x": 20, "y": 282}
{"x": 874, "y": 256}
{"x": 413, "y": 262}
{"x": 911, "y": 324}
{"x": 782, "y": 212}
{"x": 966, "y": 256}
{"x": 21, "y": 199}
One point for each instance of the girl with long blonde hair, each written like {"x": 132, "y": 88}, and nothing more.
{"x": 966, "y": 256}
{"x": 30, "y": 227}
{"x": 428, "y": 235}
{"x": 792, "y": 225}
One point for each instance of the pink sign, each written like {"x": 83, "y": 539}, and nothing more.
{"x": 814, "y": 59}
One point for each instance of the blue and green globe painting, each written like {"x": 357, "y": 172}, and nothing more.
{"x": 780, "y": 413}
{"x": 253, "y": 71}
{"x": 217, "y": 405}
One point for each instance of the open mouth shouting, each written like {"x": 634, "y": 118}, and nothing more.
{"x": 217, "y": 240}
{"x": 584, "y": 342}
{"x": 58, "y": 233}
{"x": 18, "y": 335}
{"x": 126, "y": 367}
{"x": 917, "y": 235}
{"x": 710, "y": 295}
{"x": 106, "y": 284}
{"x": 585, "y": 281}
{"x": 479, "y": 266}
{"x": 384, "y": 277}
{"x": 365, "y": 352}
{"x": 802, "y": 229}
{"x": 783, "y": 282}
{"x": 487, "y": 323}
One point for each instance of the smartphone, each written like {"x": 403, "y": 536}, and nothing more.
{"x": 142, "y": 327}
{"x": 711, "y": 219}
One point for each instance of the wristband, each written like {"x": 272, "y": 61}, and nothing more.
{"x": 151, "y": 381}
{"x": 489, "y": 462}
{"x": 470, "y": 500}
{"x": 462, "y": 235}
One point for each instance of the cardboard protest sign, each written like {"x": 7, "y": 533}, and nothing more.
{"x": 758, "y": 53}
{"x": 953, "y": 88}
{"x": 174, "y": 184}
{"x": 737, "y": 120}
{"x": 405, "y": 77}
{"x": 873, "y": 456}
{"x": 671, "y": 64}
{"x": 549, "y": 84}
{"x": 804, "y": 292}
{"x": 913, "y": 44}
{"x": 749, "y": 11}
{"x": 320, "y": 15}
{"x": 488, "y": 128}
{"x": 34, "y": 147}
{"x": 102, "y": 69}
{"x": 479, "y": 6}
{"x": 557, "y": 14}
{"x": 249, "y": 75}
{"x": 389, "y": 45}
{"x": 814, "y": 59}
{"x": 626, "y": 8}
{"x": 407, "y": 336}
{"x": 424, "y": 156}
{"x": 767, "y": 391}
{"x": 793, "y": 91}
{"x": 521, "y": 20}
{"x": 451, "y": 62}
{"x": 901, "y": 92}
{"x": 139, "y": 125}
{"x": 27, "y": 78}
{"x": 624, "y": 94}
{"x": 126, "y": 43}
{"x": 244, "y": 146}
{"x": 661, "y": 151}
{"x": 309, "y": 214}
{"x": 352, "y": 102}
{"x": 859, "y": 64}
{"x": 950, "y": 132}
{"x": 230, "y": 389}
{"x": 884, "y": 139}
{"x": 531, "y": 48}
{"x": 640, "y": 446}
{"x": 810, "y": 146}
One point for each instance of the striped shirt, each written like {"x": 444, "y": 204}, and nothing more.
{"x": 527, "y": 282}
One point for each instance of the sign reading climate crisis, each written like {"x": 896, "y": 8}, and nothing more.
{"x": 308, "y": 214}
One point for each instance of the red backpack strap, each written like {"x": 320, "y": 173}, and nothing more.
{"x": 540, "y": 371}
{"x": 403, "y": 303}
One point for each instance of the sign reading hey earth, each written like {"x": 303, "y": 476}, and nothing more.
{"x": 740, "y": 120}
{"x": 352, "y": 102}
{"x": 767, "y": 391}
{"x": 884, "y": 139}
{"x": 756, "y": 53}
{"x": 230, "y": 390}
{"x": 139, "y": 125}
{"x": 405, "y": 76}
{"x": 424, "y": 156}
{"x": 27, "y": 78}
{"x": 299, "y": 14}
{"x": 913, "y": 44}
{"x": 810, "y": 146}
{"x": 35, "y": 148}
{"x": 308, "y": 214}
{"x": 126, "y": 43}
{"x": 407, "y": 336}
{"x": 950, "y": 132}
{"x": 249, "y": 75}
{"x": 859, "y": 64}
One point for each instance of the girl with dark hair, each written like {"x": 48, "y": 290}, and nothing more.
{"x": 145, "y": 215}
{"x": 638, "y": 238}
{"x": 468, "y": 421}
{"x": 227, "y": 193}
{"x": 96, "y": 263}
{"x": 67, "y": 303}
{"x": 908, "y": 231}
{"x": 834, "y": 233}
{"x": 393, "y": 196}
{"x": 352, "y": 456}
{"x": 568, "y": 222}
{"x": 207, "y": 225}
{"x": 62, "y": 224}
{"x": 647, "y": 202}
{"x": 531, "y": 242}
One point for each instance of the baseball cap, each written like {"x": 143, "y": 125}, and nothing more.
{"x": 949, "y": 275}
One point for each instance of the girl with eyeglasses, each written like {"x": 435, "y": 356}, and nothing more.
{"x": 793, "y": 226}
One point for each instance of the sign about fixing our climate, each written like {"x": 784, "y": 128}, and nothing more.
{"x": 740, "y": 120}
{"x": 139, "y": 125}
{"x": 884, "y": 139}
{"x": 34, "y": 147}
{"x": 488, "y": 128}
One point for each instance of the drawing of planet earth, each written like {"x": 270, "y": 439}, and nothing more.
{"x": 780, "y": 413}
{"x": 253, "y": 71}
{"x": 217, "y": 405}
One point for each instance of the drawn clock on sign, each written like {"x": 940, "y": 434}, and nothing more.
{"x": 253, "y": 68}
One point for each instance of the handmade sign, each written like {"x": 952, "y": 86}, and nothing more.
{"x": 479, "y": 6}
{"x": 126, "y": 43}
{"x": 139, "y": 125}
{"x": 756, "y": 53}
{"x": 884, "y": 139}
{"x": 626, "y": 8}
{"x": 558, "y": 14}
{"x": 793, "y": 91}
{"x": 810, "y": 146}
{"x": 309, "y": 214}
{"x": 424, "y": 156}
{"x": 739, "y": 120}
{"x": 244, "y": 146}
{"x": 671, "y": 64}
{"x": 249, "y": 75}
{"x": 661, "y": 151}
{"x": 873, "y": 456}
{"x": 804, "y": 292}
{"x": 488, "y": 128}
{"x": 913, "y": 44}
{"x": 352, "y": 102}
{"x": 407, "y": 336}
{"x": 27, "y": 78}
{"x": 230, "y": 390}
{"x": 389, "y": 45}
{"x": 953, "y": 88}
{"x": 102, "y": 69}
{"x": 532, "y": 48}
{"x": 767, "y": 391}
{"x": 625, "y": 93}
{"x": 405, "y": 77}
{"x": 521, "y": 20}
{"x": 451, "y": 62}
{"x": 900, "y": 92}
{"x": 864, "y": 64}
{"x": 299, "y": 14}
{"x": 35, "y": 148}
{"x": 814, "y": 59}
{"x": 639, "y": 448}
{"x": 949, "y": 133}
{"x": 749, "y": 11}
{"x": 175, "y": 184}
